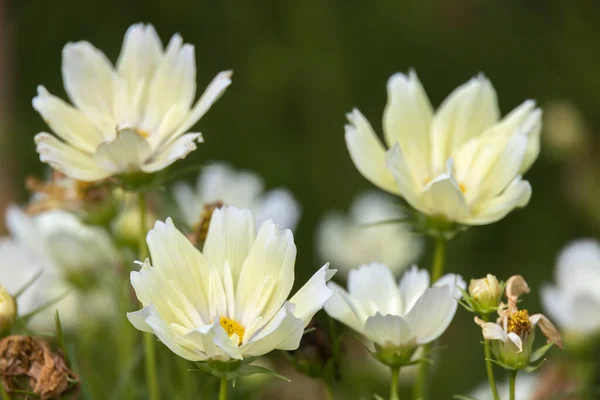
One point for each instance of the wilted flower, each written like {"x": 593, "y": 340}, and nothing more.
{"x": 513, "y": 334}
{"x": 229, "y": 301}
{"x": 574, "y": 301}
{"x": 346, "y": 242}
{"x": 485, "y": 292}
{"x": 219, "y": 184}
{"x": 128, "y": 118}
{"x": 398, "y": 318}
{"x": 461, "y": 163}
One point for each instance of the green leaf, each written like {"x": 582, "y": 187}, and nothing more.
{"x": 60, "y": 339}
{"x": 248, "y": 369}
{"x": 27, "y": 284}
{"x": 539, "y": 353}
{"x": 378, "y": 397}
{"x": 507, "y": 367}
{"x": 463, "y": 397}
{"x": 385, "y": 222}
{"x": 533, "y": 368}
{"x": 25, "y": 318}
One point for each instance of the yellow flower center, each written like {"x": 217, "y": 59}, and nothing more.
{"x": 463, "y": 188}
{"x": 142, "y": 132}
{"x": 519, "y": 323}
{"x": 232, "y": 327}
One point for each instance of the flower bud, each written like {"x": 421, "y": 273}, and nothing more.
{"x": 486, "y": 292}
{"x": 8, "y": 311}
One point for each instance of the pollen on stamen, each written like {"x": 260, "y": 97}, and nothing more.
{"x": 142, "y": 132}
{"x": 232, "y": 327}
{"x": 462, "y": 188}
{"x": 519, "y": 322}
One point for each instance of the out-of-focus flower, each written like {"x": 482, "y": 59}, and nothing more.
{"x": 513, "y": 334}
{"x": 8, "y": 311}
{"x": 392, "y": 315}
{"x": 461, "y": 163}
{"x": 221, "y": 184}
{"x": 574, "y": 300}
{"x": 565, "y": 131}
{"x": 525, "y": 389}
{"x": 346, "y": 243}
{"x": 485, "y": 293}
{"x": 229, "y": 301}
{"x": 127, "y": 225}
{"x": 128, "y": 118}
{"x": 74, "y": 257}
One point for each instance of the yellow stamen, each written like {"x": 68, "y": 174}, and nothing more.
{"x": 232, "y": 327}
{"x": 142, "y": 132}
{"x": 463, "y": 188}
{"x": 519, "y": 323}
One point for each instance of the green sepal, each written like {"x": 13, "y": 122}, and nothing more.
{"x": 540, "y": 352}
{"x": 233, "y": 369}
{"x": 378, "y": 397}
{"x": 463, "y": 397}
{"x": 505, "y": 366}
{"x": 532, "y": 368}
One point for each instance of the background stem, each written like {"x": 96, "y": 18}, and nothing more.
{"x": 513, "y": 379}
{"x": 488, "y": 363}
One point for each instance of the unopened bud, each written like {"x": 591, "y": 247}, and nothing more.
{"x": 486, "y": 292}
{"x": 8, "y": 311}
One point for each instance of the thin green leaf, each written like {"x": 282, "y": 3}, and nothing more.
{"x": 507, "y": 367}
{"x": 463, "y": 397}
{"x": 539, "y": 353}
{"x": 25, "y": 318}
{"x": 385, "y": 222}
{"x": 533, "y": 368}
{"x": 27, "y": 284}
{"x": 378, "y": 397}
{"x": 60, "y": 339}
{"x": 247, "y": 370}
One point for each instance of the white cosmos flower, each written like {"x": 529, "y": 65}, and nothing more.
{"x": 66, "y": 249}
{"x": 130, "y": 117}
{"x": 229, "y": 301}
{"x": 219, "y": 182}
{"x": 574, "y": 300}
{"x": 395, "y": 315}
{"x": 346, "y": 243}
{"x": 526, "y": 388}
{"x": 461, "y": 163}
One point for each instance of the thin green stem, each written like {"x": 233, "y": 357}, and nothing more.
{"x": 394, "y": 384}
{"x": 149, "y": 348}
{"x": 488, "y": 364}
{"x": 437, "y": 269}
{"x": 223, "y": 389}
{"x": 513, "y": 379}
{"x": 4, "y": 393}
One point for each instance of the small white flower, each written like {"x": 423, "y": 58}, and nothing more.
{"x": 526, "y": 388}
{"x": 461, "y": 163}
{"x": 243, "y": 189}
{"x": 573, "y": 302}
{"x": 393, "y": 315}
{"x": 229, "y": 301}
{"x": 128, "y": 118}
{"x": 343, "y": 240}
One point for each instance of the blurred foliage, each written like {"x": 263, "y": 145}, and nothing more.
{"x": 299, "y": 66}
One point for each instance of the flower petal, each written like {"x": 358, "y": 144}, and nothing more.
{"x": 406, "y": 185}
{"x": 443, "y": 196}
{"x": 413, "y": 284}
{"x": 68, "y": 160}
{"x": 280, "y": 206}
{"x": 188, "y": 205}
{"x": 374, "y": 287}
{"x": 466, "y": 113}
{"x": 343, "y": 308}
{"x": 141, "y": 52}
{"x": 127, "y": 152}
{"x": 432, "y": 314}
{"x": 517, "y": 194}
{"x": 407, "y": 120}
{"x": 177, "y": 150}
{"x": 388, "y": 330}
{"x": 454, "y": 282}
{"x": 492, "y": 331}
{"x": 169, "y": 338}
{"x": 547, "y": 328}
{"x": 367, "y": 152}
{"x": 312, "y": 296}
{"x": 516, "y": 340}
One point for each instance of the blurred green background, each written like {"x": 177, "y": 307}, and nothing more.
{"x": 299, "y": 66}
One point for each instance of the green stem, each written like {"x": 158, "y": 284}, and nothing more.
{"x": 223, "y": 389}
{"x": 394, "y": 384}
{"x": 513, "y": 379}
{"x": 488, "y": 363}
{"x": 149, "y": 348}
{"x": 5, "y": 395}
{"x": 439, "y": 258}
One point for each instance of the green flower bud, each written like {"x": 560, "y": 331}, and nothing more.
{"x": 486, "y": 292}
{"x": 8, "y": 311}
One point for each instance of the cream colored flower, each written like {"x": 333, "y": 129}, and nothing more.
{"x": 229, "y": 301}
{"x": 347, "y": 243}
{"x": 526, "y": 388}
{"x": 574, "y": 301}
{"x": 486, "y": 292}
{"x": 461, "y": 163}
{"x": 128, "y": 118}
{"x": 396, "y": 317}
{"x": 220, "y": 183}
{"x": 513, "y": 334}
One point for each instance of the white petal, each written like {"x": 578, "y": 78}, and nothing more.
{"x": 343, "y": 308}
{"x": 578, "y": 266}
{"x": 224, "y": 342}
{"x": 177, "y": 150}
{"x": 89, "y": 79}
{"x": 229, "y": 239}
{"x": 169, "y": 338}
{"x": 68, "y": 159}
{"x": 127, "y": 152}
{"x": 180, "y": 262}
{"x": 138, "y": 319}
{"x": 492, "y": 331}
{"x": 558, "y": 306}
{"x": 407, "y": 120}
{"x": 516, "y": 340}
{"x": 532, "y": 127}
{"x": 432, "y": 314}
{"x": 406, "y": 187}
{"x": 443, "y": 196}
{"x": 517, "y": 194}
{"x": 312, "y": 296}
{"x": 220, "y": 182}
{"x": 280, "y": 206}
{"x": 272, "y": 255}
{"x": 188, "y": 205}
{"x": 67, "y": 122}
{"x": 367, "y": 152}
{"x": 283, "y": 332}
{"x": 140, "y": 53}
{"x": 374, "y": 287}
{"x": 467, "y": 112}
{"x": 212, "y": 93}
{"x": 413, "y": 284}
{"x": 388, "y": 330}
{"x": 454, "y": 282}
